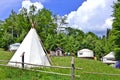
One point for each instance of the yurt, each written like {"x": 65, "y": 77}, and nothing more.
{"x": 109, "y": 58}
{"x": 14, "y": 47}
{"x": 85, "y": 53}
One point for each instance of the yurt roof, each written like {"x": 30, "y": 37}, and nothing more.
{"x": 85, "y": 50}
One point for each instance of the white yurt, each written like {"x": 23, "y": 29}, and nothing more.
{"x": 85, "y": 53}
{"x": 14, "y": 47}
{"x": 109, "y": 58}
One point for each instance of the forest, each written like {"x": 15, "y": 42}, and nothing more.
{"x": 54, "y": 32}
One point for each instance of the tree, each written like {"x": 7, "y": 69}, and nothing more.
{"x": 17, "y": 25}
{"x": 61, "y": 23}
{"x": 77, "y": 36}
{"x": 89, "y": 41}
{"x": 116, "y": 29}
{"x": 44, "y": 23}
{"x": 9, "y": 30}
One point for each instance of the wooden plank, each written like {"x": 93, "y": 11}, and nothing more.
{"x": 41, "y": 65}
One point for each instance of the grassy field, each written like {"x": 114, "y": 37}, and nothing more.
{"x": 10, "y": 73}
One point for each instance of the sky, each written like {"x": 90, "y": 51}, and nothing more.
{"x": 86, "y": 15}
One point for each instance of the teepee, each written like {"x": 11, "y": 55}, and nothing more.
{"x": 33, "y": 51}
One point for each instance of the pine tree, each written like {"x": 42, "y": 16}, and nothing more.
{"x": 116, "y": 29}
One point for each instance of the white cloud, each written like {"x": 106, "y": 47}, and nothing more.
{"x": 42, "y": 1}
{"x": 109, "y": 22}
{"x": 27, "y": 3}
{"x": 92, "y": 15}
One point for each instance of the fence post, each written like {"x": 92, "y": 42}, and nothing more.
{"x": 23, "y": 59}
{"x": 72, "y": 69}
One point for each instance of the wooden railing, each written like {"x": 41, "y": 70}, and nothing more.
{"x": 72, "y": 74}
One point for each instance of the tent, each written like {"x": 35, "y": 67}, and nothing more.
{"x": 85, "y": 53}
{"x": 33, "y": 51}
{"x": 14, "y": 47}
{"x": 109, "y": 58}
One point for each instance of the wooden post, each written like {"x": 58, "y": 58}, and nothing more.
{"x": 72, "y": 68}
{"x": 23, "y": 59}
{"x": 32, "y": 23}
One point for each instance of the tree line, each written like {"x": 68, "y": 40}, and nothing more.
{"x": 17, "y": 25}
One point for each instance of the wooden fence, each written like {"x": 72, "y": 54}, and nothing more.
{"x": 72, "y": 74}
{"x": 73, "y": 68}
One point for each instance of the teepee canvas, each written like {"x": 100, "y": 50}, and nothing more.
{"x": 33, "y": 51}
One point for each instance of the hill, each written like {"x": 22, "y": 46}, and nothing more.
{"x": 92, "y": 70}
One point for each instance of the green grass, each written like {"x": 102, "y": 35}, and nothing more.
{"x": 5, "y": 55}
{"x": 10, "y": 73}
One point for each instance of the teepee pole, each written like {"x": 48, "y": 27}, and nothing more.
{"x": 32, "y": 23}
{"x": 45, "y": 52}
{"x": 33, "y": 26}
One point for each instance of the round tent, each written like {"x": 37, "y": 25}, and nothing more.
{"x": 85, "y": 53}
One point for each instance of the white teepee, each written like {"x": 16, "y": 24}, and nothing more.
{"x": 34, "y": 53}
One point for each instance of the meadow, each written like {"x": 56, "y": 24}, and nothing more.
{"x": 91, "y": 70}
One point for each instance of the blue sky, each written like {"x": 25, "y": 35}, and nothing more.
{"x": 86, "y": 15}
{"x": 63, "y": 7}
{"x": 60, "y": 7}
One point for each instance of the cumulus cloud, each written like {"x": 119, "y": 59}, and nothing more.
{"x": 27, "y": 3}
{"x": 92, "y": 15}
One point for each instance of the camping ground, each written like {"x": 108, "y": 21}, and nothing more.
{"x": 92, "y": 70}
